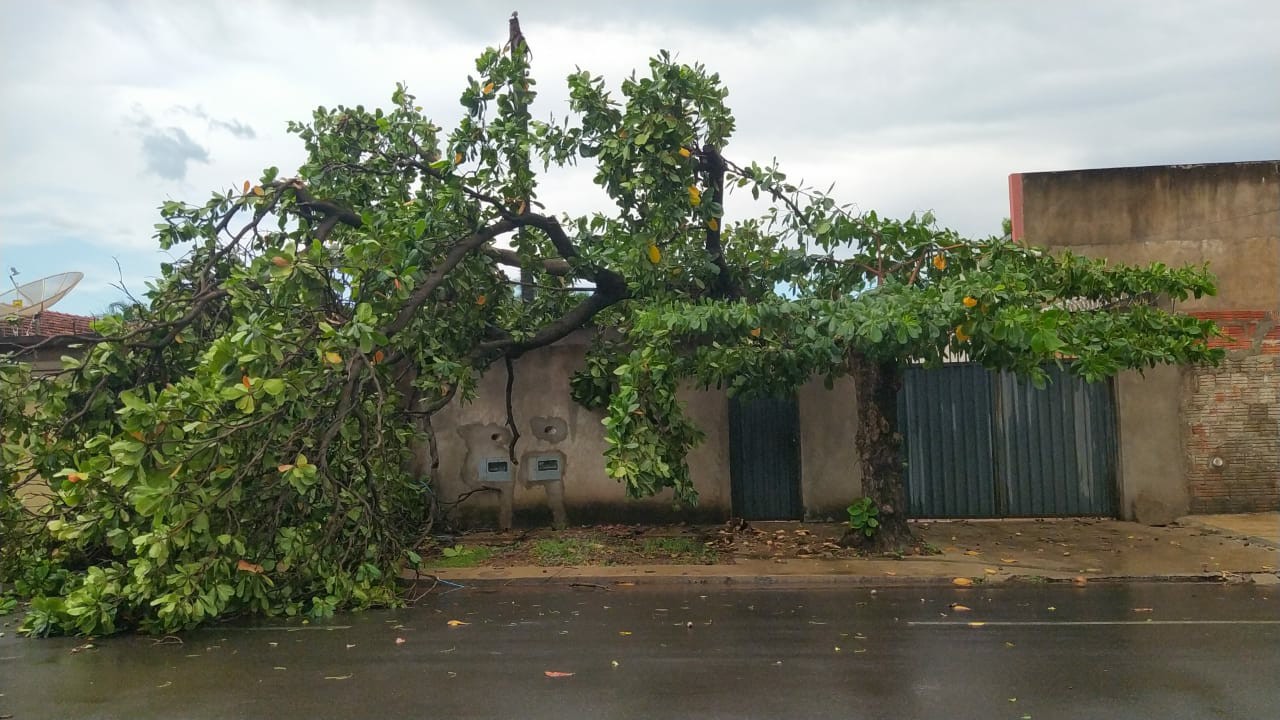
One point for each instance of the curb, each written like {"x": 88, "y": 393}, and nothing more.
{"x": 799, "y": 580}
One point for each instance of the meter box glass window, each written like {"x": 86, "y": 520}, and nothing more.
{"x": 495, "y": 470}
{"x": 546, "y": 468}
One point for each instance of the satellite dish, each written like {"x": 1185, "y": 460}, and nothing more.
{"x": 35, "y": 297}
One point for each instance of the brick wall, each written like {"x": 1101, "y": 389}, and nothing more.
{"x": 1232, "y": 412}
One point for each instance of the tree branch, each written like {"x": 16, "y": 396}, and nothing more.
{"x": 511, "y": 258}
{"x": 604, "y": 296}
{"x": 441, "y": 271}
{"x": 511, "y": 417}
{"x": 714, "y": 166}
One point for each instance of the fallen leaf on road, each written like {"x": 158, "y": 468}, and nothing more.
{"x": 1051, "y": 608}
{"x": 990, "y": 571}
{"x": 279, "y": 667}
{"x": 399, "y": 641}
{"x": 837, "y": 648}
{"x": 350, "y": 645}
{"x": 614, "y": 663}
{"x": 890, "y": 572}
{"x": 557, "y": 674}
{"x": 348, "y": 676}
{"x": 456, "y": 623}
{"x": 972, "y": 553}
{"x": 1008, "y": 561}
{"x": 624, "y": 632}
{"x": 624, "y": 583}
{"x": 962, "y": 582}
{"x": 1008, "y": 644}
{"x": 976, "y": 624}
{"x": 957, "y": 607}
{"x": 1080, "y": 581}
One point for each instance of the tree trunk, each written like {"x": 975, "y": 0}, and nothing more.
{"x": 880, "y": 448}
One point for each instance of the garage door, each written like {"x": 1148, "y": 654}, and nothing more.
{"x": 984, "y": 444}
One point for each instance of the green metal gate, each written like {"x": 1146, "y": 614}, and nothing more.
{"x": 985, "y": 444}
{"x": 764, "y": 458}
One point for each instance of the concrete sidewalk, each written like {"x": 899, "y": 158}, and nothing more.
{"x": 1263, "y": 528}
{"x": 1071, "y": 550}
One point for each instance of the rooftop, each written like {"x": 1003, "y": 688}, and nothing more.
{"x": 47, "y": 324}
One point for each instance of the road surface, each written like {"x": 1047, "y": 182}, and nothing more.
{"x": 1100, "y": 651}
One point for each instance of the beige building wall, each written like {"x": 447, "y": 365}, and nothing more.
{"x": 541, "y": 391}
{"x": 1174, "y": 422}
{"x": 830, "y": 475}
{"x": 830, "y": 466}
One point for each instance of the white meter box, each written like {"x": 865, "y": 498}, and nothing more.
{"x": 494, "y": 470}
{"x": 546, "y": 468}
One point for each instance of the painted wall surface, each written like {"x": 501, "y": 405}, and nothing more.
{"x": 830, "y": 466}
{"x": 1226, "y": 215}
{"x": 541, "y": 392}
{"x": 1151, "y": 466}
{"x": 466, "y": 432}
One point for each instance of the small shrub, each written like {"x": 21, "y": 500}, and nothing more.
{"x": 461, "y": 556}
{"x": 863, "y": 516}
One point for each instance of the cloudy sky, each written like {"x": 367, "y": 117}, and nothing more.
{"x": 109, "y": 108}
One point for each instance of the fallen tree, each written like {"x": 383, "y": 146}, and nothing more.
{"x": 253, "y": 435}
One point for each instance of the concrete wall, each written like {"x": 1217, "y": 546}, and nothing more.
{"x": 830, "y": 475}
{"x": 1151, "y": 466}
{"x": 1227, "y": 215}
{"x": 541, "y": 390}
{"x": 830, "y": 466}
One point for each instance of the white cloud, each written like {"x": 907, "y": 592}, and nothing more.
{"x": 905, "y": 106}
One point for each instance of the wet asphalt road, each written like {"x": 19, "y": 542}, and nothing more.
{"x": 1102, "y": 651}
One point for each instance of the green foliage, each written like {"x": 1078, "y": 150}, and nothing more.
{"x": 455, "y": 551}
{"x": 461, "y": 556}
{"x": 864, "y": 516}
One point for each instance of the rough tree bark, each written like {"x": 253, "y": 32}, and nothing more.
{"x": 880, "y": 449}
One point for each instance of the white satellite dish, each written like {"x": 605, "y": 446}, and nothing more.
{"x": 37, "y": 296}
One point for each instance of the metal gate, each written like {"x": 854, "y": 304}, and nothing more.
{"x": 985, "y": 444}
{"x": 764, "y": 458}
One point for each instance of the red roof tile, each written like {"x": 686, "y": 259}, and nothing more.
{"x": 47, "y": 324}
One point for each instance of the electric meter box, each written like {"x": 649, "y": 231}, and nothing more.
{"x": 546, "y": 468}
{"x": 494, "y": 470}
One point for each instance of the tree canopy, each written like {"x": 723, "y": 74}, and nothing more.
{"x": 253, "y": 435}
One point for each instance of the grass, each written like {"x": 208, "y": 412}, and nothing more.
{"x": 570, "y": 551}
{"x": 678, "y": 547}
{"x": 462, "y": 557}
